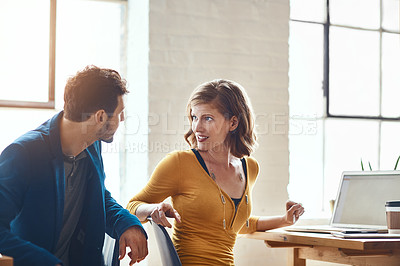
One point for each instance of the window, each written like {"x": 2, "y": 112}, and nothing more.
{"x": 92, "y": 32}
{"x": 85, "y": 32}
{"x": 27, "y": 53}
{"x": 33, "y": 69}
{"x": 344, "y": 60}
{"x": 89, "y": 32}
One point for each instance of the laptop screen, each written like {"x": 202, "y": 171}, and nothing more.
{"x": 362, "y": 196}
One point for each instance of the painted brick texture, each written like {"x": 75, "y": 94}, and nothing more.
{"x": 191, "y": 42}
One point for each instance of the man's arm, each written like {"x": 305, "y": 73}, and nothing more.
{"x": 127, "y": 228}
{"x": 14, "y": 182}
{"x": 122, "y": 225}
{"x": 118, "y": 219}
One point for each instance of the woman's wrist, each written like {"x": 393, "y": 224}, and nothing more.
{"x": 144, "y": 210}
{"x": 285, "y": 221}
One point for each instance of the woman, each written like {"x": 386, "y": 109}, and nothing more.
{"x": 210, "y": 185}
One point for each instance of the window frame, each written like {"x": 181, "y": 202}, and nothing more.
{"x": 50, "y": 104}
{"x": 325, "y": 115}
{"x": 326, "y": 61}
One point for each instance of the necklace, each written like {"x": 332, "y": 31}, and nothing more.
{"x": 240, "y": 176}
{"x": 214, "y": 178}
{"x": 212, "y": 175}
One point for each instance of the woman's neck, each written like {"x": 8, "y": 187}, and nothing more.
{"x": 222, "y": 158}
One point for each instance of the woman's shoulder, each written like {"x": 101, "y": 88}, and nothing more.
{"x": 173, "y": 161}
{"x": 180, "y": 155}
{"x": 252, "y": 165}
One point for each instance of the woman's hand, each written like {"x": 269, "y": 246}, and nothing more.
{"x": 162, "y": 211}
{"x": 293, "y": 212}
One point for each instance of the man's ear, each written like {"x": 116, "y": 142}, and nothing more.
{"x": 233, "y": 123}
{"x": 100, "y": 117}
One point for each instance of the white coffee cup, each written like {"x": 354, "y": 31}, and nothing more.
{"x": 393, "y": 216}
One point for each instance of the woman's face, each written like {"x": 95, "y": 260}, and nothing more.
{"x": 210, "y": 127}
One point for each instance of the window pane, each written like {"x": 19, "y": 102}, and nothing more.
{"x": 306, "y": 172}
{"x": 356, "y": 13}
{"x": 112, "y": 162}
{"x": 390, "y": 75}
{"x": 346, "y": 143}
{"x": 390, "y": 145}
{"x": 390, "y": 16}
{"x": 354, "y": 72}
{"x": 24, "y": 50}
{"x": 309, "y": 10}
{"x": 306, "y": 69}
{"x": 94, "y": 36}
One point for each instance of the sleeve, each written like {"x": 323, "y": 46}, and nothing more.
{"x": 252, "y": 226}
{"x": 14, "y": 182}
{"x": 164, "y": 182}
{"x": 118, "y": 219}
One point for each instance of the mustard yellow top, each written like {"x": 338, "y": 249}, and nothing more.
{"x": 200, "y": 239}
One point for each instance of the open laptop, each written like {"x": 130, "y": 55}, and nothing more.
{"x": 360, "y": 203}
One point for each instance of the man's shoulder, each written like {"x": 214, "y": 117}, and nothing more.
{"x": 33, "y": 138}
{"x": 50, "y": 126}
{"x": 39, "y": 138}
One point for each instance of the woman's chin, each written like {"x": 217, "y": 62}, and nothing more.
{"x": 202, "y": 147}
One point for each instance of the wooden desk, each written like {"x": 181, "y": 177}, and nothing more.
{"x": 6, "y": 261}
{"x": 324, "y": 247}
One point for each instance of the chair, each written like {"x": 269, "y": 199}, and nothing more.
{"x": 169, "y": 256}
{"x": 110, "y": 251}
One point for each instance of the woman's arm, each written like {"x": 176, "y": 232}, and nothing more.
{"x": 144, "y": 210}
{"x": 271, "y": 222}
{"x": 164, "y": 182}
{"x": 158, "y": 213}
{"x": 293, "y": 212}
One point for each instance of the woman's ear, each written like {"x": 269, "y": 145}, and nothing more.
{"x": 233, "y": 123}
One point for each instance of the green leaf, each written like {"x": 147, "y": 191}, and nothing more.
{"x": 397, "y": 162}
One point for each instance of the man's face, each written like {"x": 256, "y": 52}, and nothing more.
{"x": 106, "y": 133}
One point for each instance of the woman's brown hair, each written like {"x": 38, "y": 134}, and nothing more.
{"x": 231, "y": 100}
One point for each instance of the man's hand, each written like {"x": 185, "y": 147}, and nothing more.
{"x": 135, "y": 239}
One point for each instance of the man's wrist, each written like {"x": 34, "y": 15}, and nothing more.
{"x": 138, "y": 227}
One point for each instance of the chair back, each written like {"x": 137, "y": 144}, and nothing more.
{"x": 169, "y": 256}
{"x": 110, "y": 251}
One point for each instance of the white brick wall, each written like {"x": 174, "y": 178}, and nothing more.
{"x": 193, "y": 41}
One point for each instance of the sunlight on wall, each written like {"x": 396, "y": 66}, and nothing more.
{"x": 24, "y": 50}
{"x": 95, "y": 36}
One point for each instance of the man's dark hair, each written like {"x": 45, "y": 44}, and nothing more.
{"x": 90, "y": 90}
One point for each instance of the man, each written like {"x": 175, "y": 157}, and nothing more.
{"x": 54, "y": 208}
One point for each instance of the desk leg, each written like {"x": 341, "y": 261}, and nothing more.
{"x": 294, "y": 259}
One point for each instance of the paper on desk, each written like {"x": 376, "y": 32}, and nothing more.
{"x": 365, "y": 235}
